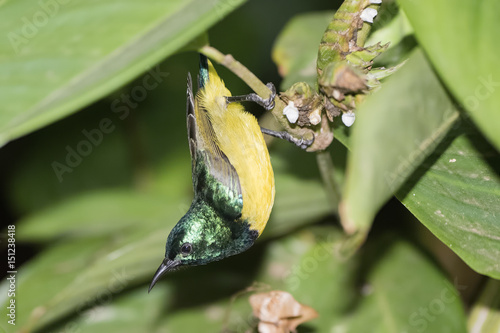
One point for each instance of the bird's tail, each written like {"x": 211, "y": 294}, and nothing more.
{"x": 203, "y": 74}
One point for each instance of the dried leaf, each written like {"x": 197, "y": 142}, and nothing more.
{"x": 279, "y": 312}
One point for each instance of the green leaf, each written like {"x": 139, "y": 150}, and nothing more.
{"x": 195, "y": 299}
{"x": 98, "y": 213}
{"x": 82, "y": 270}
{"x": 296, "y": 48}
{"x": 49, "y": 72}
{"x": 130, "y": 312}
{"x": 115, "y": 265}
{"x": 136, "y": 226}
{"x": 396, "y": 128}
{"x": 307, "y": 265}
{"x": 323, "y": 279}
{"x": 403, "y": 291}
{"x": 135, "y": 312}
{"x": 456, "y": 194}
{"x": 56, "y": 267}
{"x": 298, "y": 201}
{"x": 381, "y": 289}
{"x": 282, "y": 268}
{"x": 134, "y": 153}
{"x": 464, "y": 53}
{"x": 485, "y": 314}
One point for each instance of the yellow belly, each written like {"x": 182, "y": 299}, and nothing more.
{"x": 240, "y": 138}
{"x": 244, "y": 145}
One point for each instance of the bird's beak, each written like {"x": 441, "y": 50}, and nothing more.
{"x": 166, "y": 266}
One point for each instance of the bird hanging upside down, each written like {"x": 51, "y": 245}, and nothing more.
{"x": 232, "y": 176}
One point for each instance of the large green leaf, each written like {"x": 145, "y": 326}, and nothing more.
{"x": 298, "y": 202}
{"x": 456, "y": 194}
{"x": 281, "y": 258}
{"x": 381, "y": 289}
{"x": 135, "y": 242}
{"x": 461, "y": 39}
{"x": 402, "y": 291}
{"x": 305, "y": 264}
{"x": 147, "y": 147}
{"x": 324, "y": 280}
{"x": 99, "y": 214}
{"x": 105, "y": 270}
{"x": 316, "y": 276}
{"x": 396, "y": 128}
{"x": 366, "y": 293}
{"x": 56, "y": 267}
{"x": 132, "y": 247}
{"x": 58, "y": 56}
{"x": 85, "y": 271}
{"x": 130, "y": 312}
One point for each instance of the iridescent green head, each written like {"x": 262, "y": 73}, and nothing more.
{"x": 202, "y": 236}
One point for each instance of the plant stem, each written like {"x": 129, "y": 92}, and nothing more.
{"x": 241, "y": 71}
{"x": 327, "y": 171}
{"x": 256, "y": 85}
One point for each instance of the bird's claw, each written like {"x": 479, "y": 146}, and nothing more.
{"x": 302, "y": 143}
{"x": 269, "y": 103}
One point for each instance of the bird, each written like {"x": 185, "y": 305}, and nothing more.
{"x": 232, "y": 176}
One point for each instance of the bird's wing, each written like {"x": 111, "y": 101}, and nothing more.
{"x": 191, "y": 118}
{"x": 214, "y": 177}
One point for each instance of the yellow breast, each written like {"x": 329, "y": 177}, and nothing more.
{"x": 240, "y": 138}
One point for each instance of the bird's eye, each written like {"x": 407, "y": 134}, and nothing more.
{"x": 186, "y": 249}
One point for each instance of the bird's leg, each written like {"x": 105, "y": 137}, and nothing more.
{"x": 304, "y": 144}
{"x": 267, "y": 104}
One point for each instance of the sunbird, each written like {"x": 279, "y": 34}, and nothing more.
{"x": 232, "y": 175}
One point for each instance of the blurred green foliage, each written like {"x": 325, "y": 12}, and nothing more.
{"x": 94, "y": 194}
